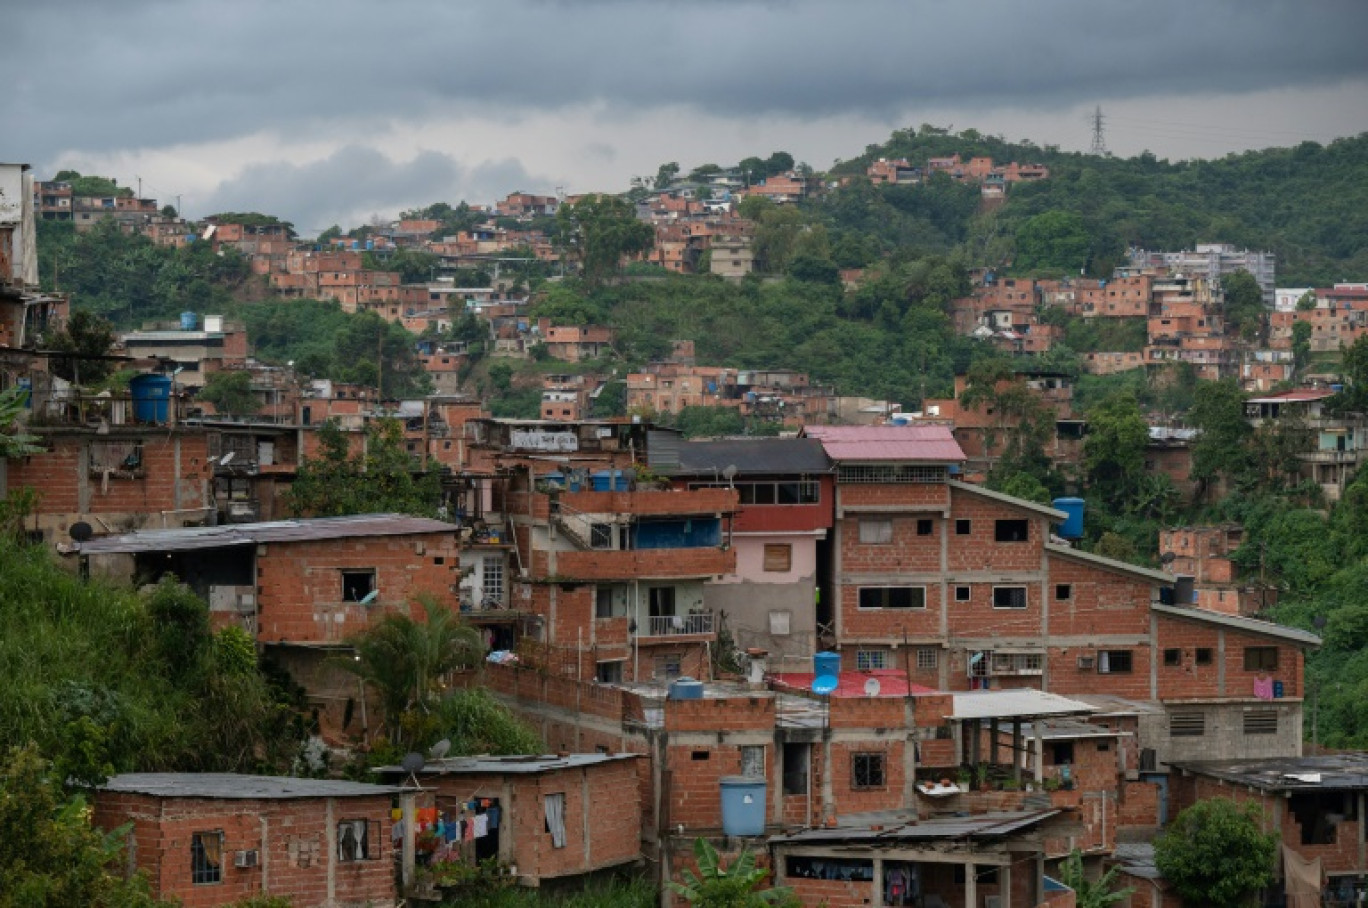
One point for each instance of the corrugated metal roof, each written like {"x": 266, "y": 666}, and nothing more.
{"x": 983, "y": 826}
{"x": 1296, "y": 395}
{"x": 302, "y": 530}
{"x": 518, "y": 765}
{"x": 1318, "y": 773}
{"x": 751, "y": 456}
{"x": 1252, "y": 625}
{"x": 1110, "y": 564}
{"x": 1018, "y": 703}
{"x": 1012, "y": 500}
{"x": 883, "y": 444}
{"x": 231, "y": 786}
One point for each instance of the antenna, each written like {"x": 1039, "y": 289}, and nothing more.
{"x": 729, "y": 473}
{"x": 440, "y": 749}
{"x": 413, "y": 762}
{"x": 1099, "y": 142}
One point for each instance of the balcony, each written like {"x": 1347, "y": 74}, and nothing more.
{"x": 679, "y": 625}
{"x": 644, "y": 564}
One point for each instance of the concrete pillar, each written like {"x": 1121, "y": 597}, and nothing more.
{"x": 408, "y": 800}
{"x": 1005, "y": 886}
{"x": 876, "y": 899}
{"x": 1039, "y": 750}
{"x": 970, "y": 886}
{"x": 1017, "y": 755}
{"x": 330, "y": 846}
{"x": 993, "y": 740}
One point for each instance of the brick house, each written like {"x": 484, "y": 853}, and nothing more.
{"x": 547, "y": 817}
{"x": 215, "y": 838}
{"x": 1337, "y": 445}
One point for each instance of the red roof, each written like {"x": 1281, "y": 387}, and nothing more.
{"x": 1294, "y": 396}
{"x": 932, "y": 444}
{"x": 892, "y": 683}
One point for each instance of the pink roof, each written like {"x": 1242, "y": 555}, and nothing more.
{"x": 887, "y": 443}
{"x": 892, "y": 683}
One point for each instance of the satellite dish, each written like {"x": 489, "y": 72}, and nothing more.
{"x": 729, "y": 472}
{"x": 227, "y": 458}
{"x": 370, "y": 597}
{"x": 81, "y": 531}
{"x": 825, "y": 684}
{"x": 440, "y": 749}
{"x": 412, "y": 762}
{"x": 872, "y": 687}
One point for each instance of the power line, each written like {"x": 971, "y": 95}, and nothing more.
{"x": 1099, "y": 142}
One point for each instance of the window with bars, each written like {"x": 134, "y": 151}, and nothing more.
{"x": 1114, "y": 662}
{"x": 892, "y": 597}
{"x": 876, "y": 532}
{"x": 753, "y": 761}
{"x": 356, "y": 841}
{"x": 1009, "y": 597}
{"x": 890, "y": 474}
{"x": 927, "y": 657}
{"x": 492, "y": 574}
{"x": 206, "y": 857}
{"x": 867, "y": 771}
{"x": 867, "y": 660}
{"x": 1017, "y": 663}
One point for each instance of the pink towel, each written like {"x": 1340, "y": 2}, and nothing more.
{"x": 1263, "y": 688}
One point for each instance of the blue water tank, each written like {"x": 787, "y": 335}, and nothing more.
{"x": 1072, "y": 527}
{"x": 189, "y": 321}
{"x": 609, "y": 481}
{"x": 686, "y": 688}
{"x": 826, "y": 664}
{"x": 743, "y": 805}
{"x": 151, "y": 395}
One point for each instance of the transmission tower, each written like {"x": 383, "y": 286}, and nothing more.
{"x": 1099, "y": 142}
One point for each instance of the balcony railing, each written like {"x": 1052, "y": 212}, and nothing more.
{"x": 679, "y": 625}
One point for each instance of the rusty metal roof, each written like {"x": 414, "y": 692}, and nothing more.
{"x": 884, "y": 444}
{"x": 1348, "y": 771}
{"x": 234, "y": 787}
{"x": 301, "y": 530}
{"x": 982, "y": 826}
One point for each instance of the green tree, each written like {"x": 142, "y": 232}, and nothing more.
{"x": 737, "y": 885}
{"x": 1221, "y": 448}
{"x": 1301, "y": 345}
{"x": 1089, "y": 893}
{"x": 14, "y": 440}
{"x": 50, "y": 855}
{"x": 1053, "y": 241}
{"x": 230, "y": 391}
{"x": 385, "y": 479}
{"x": 1244, "y": 306}
{"x": 1114, "y": 449}
{"x": 407, "y": 661}
{"x": 666, "y": 175}
{"x": 1216, "y": 853}
{"x": 92, "y": 185}
{"x": 602, "y": 230}
{"x": 86, "y": 336}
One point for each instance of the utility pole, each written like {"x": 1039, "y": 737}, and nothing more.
{"x": 1099, "y": 142}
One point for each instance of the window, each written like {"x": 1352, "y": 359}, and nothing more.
{"x": 1261, "y": 722}
{"x": 867, "y": 660}
{"x": 1114, "y": 661}
{"x": 1018, "y": 664}
{"x": 778, "y": 557}
{"x": 670, "y": 665}
{"x": 1012, "y": 531}
{"x": 1187, "y": 725}
{"x": 662, "y": 601}
{"x": 876, "y": 532}
{"x": 964, "y": 527}
{"x": 1009, "y": 597}
{"x": 357, "y": 585}
{"x": 1173, "y": 657}
{"x": 493, "y": 576}
{"x": 962, "y": 594}
{"x": 753, "y": 761}
{"x": 555, "y": 818}
{"x": 927, "y": 657}
{"x": 354, "y": 841}
{"x": 867, "y": 771}
{"x": 893, "y": 597}
{"x": 1063, "y": 592}
{"x": 698, "y": 756}
{"x": 601, "y": 536}
{"x": 1261, "y": 658}
{"x": 1203, "y": 656}
{"x": 603, "y": 602}
{"x": 608, "y": 672}
{"x": 797, "y": 757}
{"x": 925, "y": 527}
{"x": 206, "y": 857}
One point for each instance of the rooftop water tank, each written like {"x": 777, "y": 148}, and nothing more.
{"x": 188, "y": 321}
{"x": 743, "y": 805}
{"x": 151, "y": 395}
{"x": 686, "y": 688}
{"x": 1072, "y": 527}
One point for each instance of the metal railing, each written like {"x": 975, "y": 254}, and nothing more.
{"x": 677, "y": 625}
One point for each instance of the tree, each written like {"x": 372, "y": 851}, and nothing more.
{"x": 1098, "y": 893}
{"x": 1221, "y": 448}
{"x": 602, "y": 230}
{"x": 734, "y": 886}
{"x": 1216, "y": 853}
{"x": 49, "y": 852}
{"x": 85, "y": 336}
{"x": 1301, "y": 345}
{"x": 1114, "y": 449}
{"x": 666, "y": 175}
{"x": 230, "y": 392}
{"x": 384, "y": 479}
{"x": 406, "y": 660}
{"x": 14, "y": 441}
{"x": 1244, "y": 306}
{"x": 92, "y": 185}
{"x": 1053, "y": 241}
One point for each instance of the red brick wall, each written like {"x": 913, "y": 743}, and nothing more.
{"x": 294, "y": 855}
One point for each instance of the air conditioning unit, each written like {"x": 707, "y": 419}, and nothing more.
{"x": 245, "y": 859}
{"x": 1087, "y": 661}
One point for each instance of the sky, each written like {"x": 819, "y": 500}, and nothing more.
{"x": 344, "y": 111}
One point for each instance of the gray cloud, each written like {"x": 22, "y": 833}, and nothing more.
{"x": 152, "y": 73}
{"x": 355, "y": 182}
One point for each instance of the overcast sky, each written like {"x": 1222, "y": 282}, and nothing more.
{"x": 338, "y": 110}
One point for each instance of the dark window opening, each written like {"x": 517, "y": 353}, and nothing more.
{"x": 867, "y": 771}
{"x": 1063, "y": 592}
{"x": 1009, "y": 597}
{"x": 964, "y": 527}
{"x": 962, "y": 594}
{"x": 700, "y": 755}
{"x": 1173, "y": 657}
{"x": 797, "y": 758}
{"x": 925, "y": 527}
{"x": 357, "y": 585}
{"x": 608, "y": 672}
{"x": 892, "y": 597}
{"x": 601, "y": 536}
{"x": 1203, "y": 656}
{"x": 1114, "y": 661}
{"x": 1261, "y": 658}
{"x": 1012, "y": 531}
{"x": 1062, "y": 752}
{"x": 206, "y": 858}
